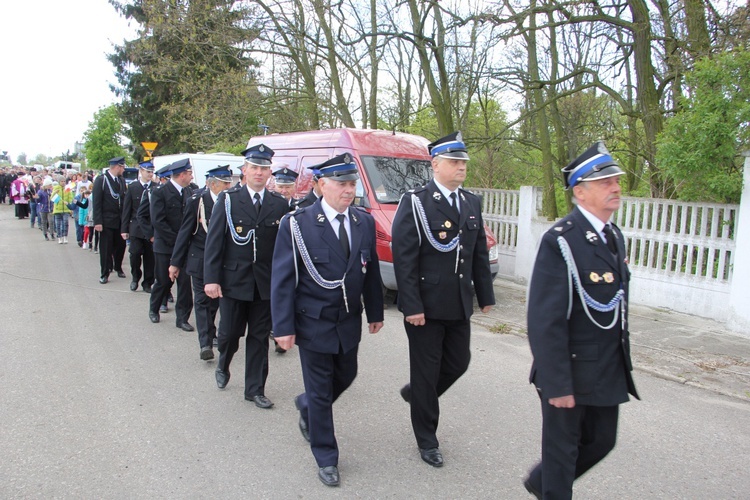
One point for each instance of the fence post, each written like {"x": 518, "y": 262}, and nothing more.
{"x": 739, "y": 293}
{"x": 529, "y": 231}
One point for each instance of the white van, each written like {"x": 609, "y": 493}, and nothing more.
{"x": 202, "y": 163}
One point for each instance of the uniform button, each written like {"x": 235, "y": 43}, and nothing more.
{"x": 462, "y": 261}
{"x": 304, "y": 310}
{"x": 460, "y": 231}
{"x": 573, "y": 356}
{"x": 460, "y": 275}
{"x": 461, "y": 247}
{"x": 422, "y": 278}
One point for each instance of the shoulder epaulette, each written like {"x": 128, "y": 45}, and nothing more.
{"x": 561, "y": 227}
{"x": 274, "y": 193}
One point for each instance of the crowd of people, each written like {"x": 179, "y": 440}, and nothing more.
{"x": 49, "y": 199}
{"x": 304, "y": 272}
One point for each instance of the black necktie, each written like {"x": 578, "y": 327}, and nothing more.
{"x": 610, "y": 239}
{"x": 257, "y": 203}
{"x": 454, "y": 198}
{"x": 343, "y": 236}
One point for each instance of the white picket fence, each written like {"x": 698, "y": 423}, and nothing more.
{"x": 681, "y": 254}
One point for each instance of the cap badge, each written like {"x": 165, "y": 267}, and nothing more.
{"x": 592, "y": 237}
{"x": 261, "y": 148}
{"x": 436, "y": 195}
{"x": 347, "y": 158}
{"x": 447, "y": 224}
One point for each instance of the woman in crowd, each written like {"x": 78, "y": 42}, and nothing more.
{"x": 61, "y": 198}
{"x": 18, "y": 194}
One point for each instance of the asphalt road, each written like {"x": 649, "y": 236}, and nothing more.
{"x": 97, "y": 402}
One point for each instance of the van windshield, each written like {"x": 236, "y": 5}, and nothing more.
{"x": 392, "y": 177}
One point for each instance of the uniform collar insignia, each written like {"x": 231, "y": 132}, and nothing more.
{"x": 321, "y": 217}
{"x": 354, "y": 217}
{"x": 463, "y": 198}
{"x": 437, "y": 196}
{"x": 592, "y": 237}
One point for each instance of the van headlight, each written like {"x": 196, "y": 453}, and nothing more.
{"x": 493, "y": 253}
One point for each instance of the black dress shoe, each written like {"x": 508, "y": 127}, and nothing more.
{"x": 104, "y": 279}
{"x": 163, "y": 309}
{"x": 207, "y": 353}
{"x": 154, "y": 317}
{"x": 304, "y": 428}
{"x": 133, "y": 286}
{"x": 260, "y": 401}
{"x": 170, "y": 298}
{"x": 406, "y": 393}
{"x": 222, "y": 378}
{"x": 121, "y": 274}
{"x": 530, "y": 488}
{"x": 329, "y": 475}
{"x": 186, "y": 326}
{"x": 147, "y": 288}
{"x": 432, "y": 456}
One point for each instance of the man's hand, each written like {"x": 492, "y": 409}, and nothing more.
{"x": 375, "y": 327}
{"x": 486, "y": 309}
{"x": 563, "y": 402}
{"x": 286, "y": 342}
{"x": 213, "y": 290}
{"x": 416, "y": 319}
{"x": 151, "y": 239}
{"x": 174, "y": 272}
{"x": 125, "y": 236}
{"x": 98, "y": 228}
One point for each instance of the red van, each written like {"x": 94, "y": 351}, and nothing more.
{"x": 390, "y": 163}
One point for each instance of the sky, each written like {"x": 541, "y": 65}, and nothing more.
{"x": 54, "y": 72}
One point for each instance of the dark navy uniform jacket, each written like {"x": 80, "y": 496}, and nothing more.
{"x": 166, "y": 208}
{"x": 308, "y": 200}
{"x": 191, "y": 239}
{"x": 231, "y": 265}
{"x": 574, "y": 356}
{"x": 129, "y": 222}
{"x": 427, "y": 279}
{"x": 106, "y": 208}
{"x": 317, "y": 316}
{"x": 143, "y": 214}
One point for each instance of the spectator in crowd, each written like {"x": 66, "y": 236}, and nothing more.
{"x": 44, "y": 207}
{"x": 18, "y": 195}
{"x": 34, "y": 187}
{"x": 84, "y": 208}
{"x": 62, "y": 199}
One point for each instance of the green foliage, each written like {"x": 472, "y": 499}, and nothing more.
{"x": 701, "y": 145}
{"x": 102, "y": 139}
{"x": 185, "y": 82}
{"x": 21, "y": 159}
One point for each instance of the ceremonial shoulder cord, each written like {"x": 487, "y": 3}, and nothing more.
{"x": 421, "y": 217}
{"x": 299, "y": 243}
{"x": 616, "y": 304}
{"x": 112, "y": 193}
{"x": 201, "y": 216}
{"x": 240, "y": 240}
